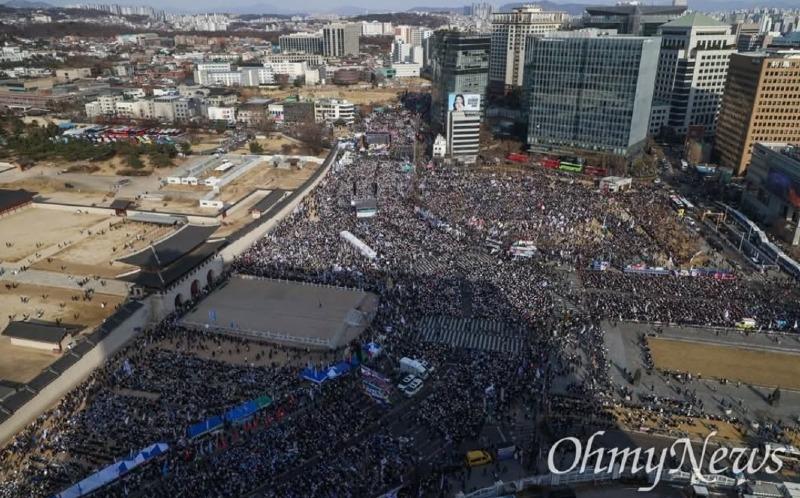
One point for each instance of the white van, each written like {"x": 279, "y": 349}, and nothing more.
{"x": 407, "y": 365}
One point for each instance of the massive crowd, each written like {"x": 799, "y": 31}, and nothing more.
{"x": 430, "y": 234}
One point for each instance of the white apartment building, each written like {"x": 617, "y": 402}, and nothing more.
{"x": 417, "y": 55}
{"x": 172, "y": 108}
{"x": 406, "y": 69}
{"x": 93, "y": 109}
{"x": 401, "y": 51}
{"x": 227, "y": 114}
{"x": 255, "y": 76}
{"x": 412, "y": 35}
{"x": 510, "y": 31}
{"x": 692, "y": 69}
{"x": 292, "y": 69}
{"x": 311, "y": 76}
{"x": 108, "y": 104}
{"x": 332, "y": 110}
{"x": 204, "y": 68}
{"x": 135, "y": 109}
{"x": 373, "y": 28}
{"x": 219, "y": 78}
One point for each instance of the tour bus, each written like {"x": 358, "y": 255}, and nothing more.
{"x": 571, "y": 165}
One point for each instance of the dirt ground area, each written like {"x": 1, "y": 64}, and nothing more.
{"x": 205, "y": 141}
{"x": 235, "y": 220}
{"x": 20, "y": 364}
{"x": 761, "y": 368}
{"x": 45, "y": 303}
{"x": 266, "y": 176}
{"x": 95, "y": 255}
{"x": 40, "y": 184}
{"x": 46, "y": 227}
{"x": 691, "y": 427}
{"x": 234, "y": 351}
{"x": 47, "y": 186}
{"x": 274, "y": 144}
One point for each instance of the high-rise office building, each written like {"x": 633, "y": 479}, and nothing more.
{"x": 631, "y": 19}
{"x": 307, "y": 43}
{"x": 463, "y": 135}
{"x": 772, "y": 195}
{"x": 459, "y": 65}
{"x": 509, "y": 33}
{"x": 340, "y": 39}
{"x": 692, "y": 66}
{"x": 589, "y": 90}
{"x": 481, "y": 10}
{"x": 761, "y": 104}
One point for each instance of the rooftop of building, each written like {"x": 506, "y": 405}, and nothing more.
{"x": 791, "y": 151}
{"x": 695, "y": 19}
{"x": 792, "y": 39}
{"x": 596, "y": 33}
{"x": 634, "y": 9}
{"x": 770, "y": 54}
{"x": 303, "y": 35}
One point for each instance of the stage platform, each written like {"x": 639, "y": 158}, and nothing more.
{"x": 292, "y": 313}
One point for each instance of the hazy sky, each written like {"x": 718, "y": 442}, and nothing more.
{"x": 347, "y": 6}
{"x": 282, "y": 6}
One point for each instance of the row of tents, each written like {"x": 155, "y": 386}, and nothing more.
{"x": 235, "y": 415}
{"x": 113, "y": 472}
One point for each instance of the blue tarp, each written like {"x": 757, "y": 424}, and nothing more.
{"x": 241, "y": 412}
{"x": 112, "y": 472}
{"x": 329, "y": 373}
{"x": 203, "y": 427}
{"x": 315, "y": 376}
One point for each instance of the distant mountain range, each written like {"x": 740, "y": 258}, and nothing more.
{"x": 25, "y": 4}
{"x": 352, "y": 10}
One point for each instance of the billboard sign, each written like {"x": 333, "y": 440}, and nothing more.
{"x": 783, "y": 186}
{"x": 464, "y": 102}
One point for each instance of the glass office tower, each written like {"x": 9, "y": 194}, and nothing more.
{"x": 589, "y": 90}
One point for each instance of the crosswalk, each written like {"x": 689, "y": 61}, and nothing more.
{"x": 471, "y": 333}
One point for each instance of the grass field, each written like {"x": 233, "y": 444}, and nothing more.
{"x": 761, "y": 368}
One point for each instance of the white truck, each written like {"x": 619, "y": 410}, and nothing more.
{"x": 407, "y": 365}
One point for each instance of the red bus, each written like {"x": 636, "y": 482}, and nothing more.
{"x": 517, "y": 157}
{"x": 595, "y": 171}
{"x": 551, "y": 162}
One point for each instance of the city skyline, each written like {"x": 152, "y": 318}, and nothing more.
{"x": 361, "y": 7}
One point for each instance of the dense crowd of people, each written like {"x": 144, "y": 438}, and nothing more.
{"x": 429, "y": 234}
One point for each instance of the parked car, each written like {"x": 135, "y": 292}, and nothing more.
{"x": 413, "y": 388}
{"x": 477, "y": 458}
